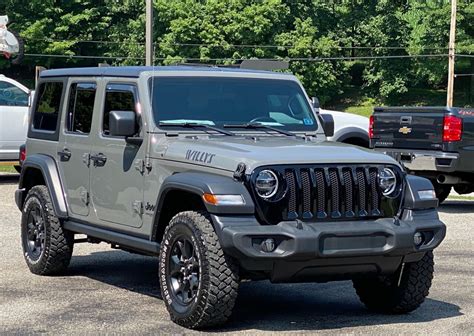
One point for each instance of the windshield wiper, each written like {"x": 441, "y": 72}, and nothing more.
{"x": 259, "y": 125}
{"x": 196, "y": 125}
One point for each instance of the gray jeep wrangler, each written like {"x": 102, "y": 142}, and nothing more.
{"x": 224, "y": 175}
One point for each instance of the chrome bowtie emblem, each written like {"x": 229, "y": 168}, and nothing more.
{"x": 405, "y": 130}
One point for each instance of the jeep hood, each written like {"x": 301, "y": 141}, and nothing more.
{"x": 227, "y": 152}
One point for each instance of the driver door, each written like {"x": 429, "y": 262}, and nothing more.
{"x": 116, "y": 183}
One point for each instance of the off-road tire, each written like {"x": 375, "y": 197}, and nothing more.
{"x": 58, "y": 243}
{"x": 219, "y": 278}
{"x": 382, "y": 294}
{"x": 442, "y": 192}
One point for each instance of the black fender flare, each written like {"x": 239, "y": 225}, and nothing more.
{"x": 48, "y": 168}
{"x": 201, "y": 183}
{"x": 353, "y": 133}
{"x": 412, "y": 199}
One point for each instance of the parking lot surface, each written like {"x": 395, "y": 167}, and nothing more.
{"x": 107, "y": 291}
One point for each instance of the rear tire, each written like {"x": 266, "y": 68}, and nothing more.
{"x": 383, "y": 294}
{"x": 18, "y": 169}
{"x": 198, "y": 282}
{"x": 442, "y": 191}
{"x": 47, "y": 247}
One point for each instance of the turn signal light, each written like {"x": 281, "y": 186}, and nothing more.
{"x": 223, "y": 199}
{"x": 452, "y": 129}
{"x": 371, "y": 127}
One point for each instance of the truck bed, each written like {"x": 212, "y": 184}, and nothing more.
{"x": 402, "y": 131}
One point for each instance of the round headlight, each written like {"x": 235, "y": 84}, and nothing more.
{"x": 266, "y": 184}
{"x": 387, "y": 181}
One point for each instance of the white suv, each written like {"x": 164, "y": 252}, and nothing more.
{"x": 15, "y": 100}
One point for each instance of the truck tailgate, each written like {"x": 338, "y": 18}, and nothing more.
{"x": 414, "y": 128}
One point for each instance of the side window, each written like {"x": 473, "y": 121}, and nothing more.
{"x": 118, "y": 97}
{"x": 47, "y": 106}
{"x": 80, "y": 108}
{"x": 11, "y": 95}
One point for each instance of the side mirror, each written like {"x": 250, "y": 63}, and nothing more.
{"x": 328, "y": 124}
{"x": 315, "y": 103}
{"x": 122, "y": 123}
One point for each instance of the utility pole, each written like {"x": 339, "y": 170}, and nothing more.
{"x": 149, "y": 33}
{"x": 452, "y": 38}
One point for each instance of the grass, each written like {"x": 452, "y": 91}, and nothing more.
{"x": 7, "y": 169}
{"x": 354, "y": 100}
{"x": 461, "y": 198}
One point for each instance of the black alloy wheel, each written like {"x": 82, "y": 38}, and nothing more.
{"x": 35, "y": 232}
{"x": 183, "y": 270}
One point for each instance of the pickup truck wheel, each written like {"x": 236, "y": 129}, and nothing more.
{"x": 47, "y": 247}
{"x": 385, "y": 293}
{"x": 199, "y": 283}
{"x": 442, "y": 191}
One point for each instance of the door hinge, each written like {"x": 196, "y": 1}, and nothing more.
{"x": 140, "y": 166}
{"x": 138, "y": 207}
{"x": 143, "y": 165}
{"x": 85, "y": 197}
{"x": 147, "y": 164}
{"x": 86, "y": 158}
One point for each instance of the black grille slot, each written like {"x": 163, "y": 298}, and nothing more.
{"x": 335, "y": 194}
{"x": 331, "y": 193}
{"x": 375, "y": 192}
{"x": 362, "y": 186}
{"x": 321, "y": 190}
{"x": 306, "y": 184}
{"x": 349, "y": 186}
{"x": 290, "y": 180}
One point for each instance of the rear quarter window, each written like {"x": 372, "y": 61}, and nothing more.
{"x": 47, "y": 110}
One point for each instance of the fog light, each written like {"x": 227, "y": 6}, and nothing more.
{"x": 268, "y": 245}
{"x": 418, "y": 238}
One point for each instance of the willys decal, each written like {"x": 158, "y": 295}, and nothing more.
{"x": 199, "y": 156}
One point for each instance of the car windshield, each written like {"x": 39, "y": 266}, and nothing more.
{"x": 228, "y": 101}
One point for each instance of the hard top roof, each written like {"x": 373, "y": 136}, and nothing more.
{"x": 135, "y": 71}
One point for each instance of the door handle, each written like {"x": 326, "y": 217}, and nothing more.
{"x": 65, "y": 154}
{"x": 405, "y": 120}
{"x": 99, "y": 159}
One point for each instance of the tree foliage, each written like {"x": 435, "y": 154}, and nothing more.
{"x": 223, "y": 32}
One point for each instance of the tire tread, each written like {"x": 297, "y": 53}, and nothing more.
{"x": 383, "y": 294}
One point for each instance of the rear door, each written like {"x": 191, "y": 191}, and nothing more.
{"x": 413, "y": 128}
{"x": 13, "y": 119}
{"x": 75, "y": 146}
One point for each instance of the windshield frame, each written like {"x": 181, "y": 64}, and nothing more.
{"x": 156, "y": 75}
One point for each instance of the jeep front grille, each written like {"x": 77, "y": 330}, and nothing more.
{"x": 328, "y": 193}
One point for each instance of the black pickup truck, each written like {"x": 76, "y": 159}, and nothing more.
{"x": 433, "y": 142}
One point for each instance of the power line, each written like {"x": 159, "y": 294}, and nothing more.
{"x": 230, "y": 45}
{"x": 308, "y": 59}
{"x": 83, "y": 56}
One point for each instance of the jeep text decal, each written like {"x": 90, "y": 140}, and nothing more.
{"x": 198, "y": 156}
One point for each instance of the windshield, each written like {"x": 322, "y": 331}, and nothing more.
{"x": 230, "y": 101}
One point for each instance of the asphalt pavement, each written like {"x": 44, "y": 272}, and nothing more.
{"x": 107, "y": 291}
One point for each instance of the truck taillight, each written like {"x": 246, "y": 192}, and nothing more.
{"x": 371, "y": 127}
{"x": 452, "y": 129}
{"x": 22, "y": 154}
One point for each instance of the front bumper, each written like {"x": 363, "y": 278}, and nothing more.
{"x": 424, "y": 160}
{"x": 323, "y": 251}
